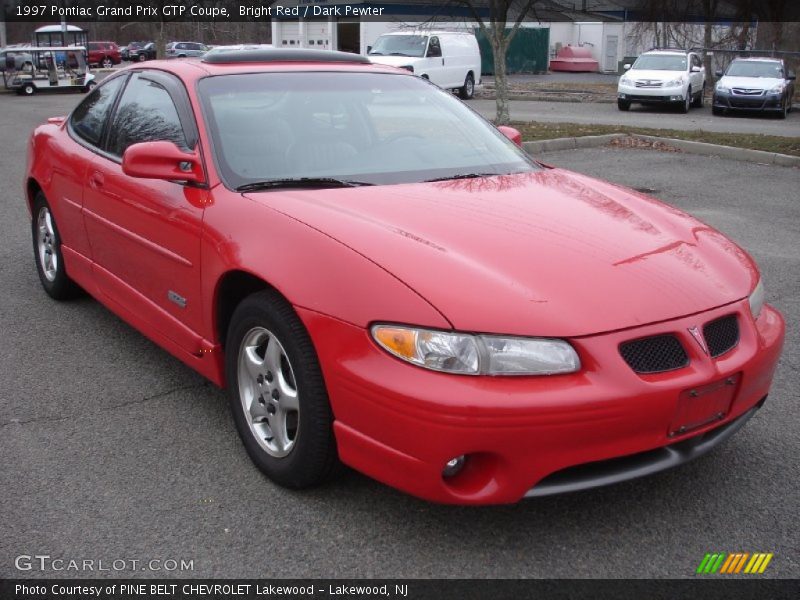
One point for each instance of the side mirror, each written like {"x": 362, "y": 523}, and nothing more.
{"x": 791, "y": 77}
{"x": 626, "y": 66}
{"x": 162, "y": 160}
{"x": 718, "y": 73}
{"x": 369, "y": 49}
{"x": 695, "y": 69}
{"x": 512, "y": 134}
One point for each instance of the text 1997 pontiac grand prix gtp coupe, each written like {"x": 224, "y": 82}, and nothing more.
{"x": 382, "y": 278}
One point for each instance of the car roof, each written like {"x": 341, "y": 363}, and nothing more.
{"x": 191, "y": 71}
{"x": 428, "y": 32}
{"x": 676, "y": 52}
{"x": 757, "y": 59}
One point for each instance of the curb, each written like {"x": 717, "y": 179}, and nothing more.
{"x": 744, "y": 154}
{"x": 702, "y": 148}
{"x": 571, "y": 143}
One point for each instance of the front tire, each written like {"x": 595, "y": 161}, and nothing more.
{"x": 107, "y": 63}
{"x": 698, "y": 101}
{"x": 277, "y": 393}
{"x": 624, "y": 105}
{"x": 716, "y": 111}
{"x": 468, "y": 89}
{"x": 142, "y": 57}
{"x": 687, "y": 102}
{"x": 28, "y": 89}
{"x": 47, "y": 252}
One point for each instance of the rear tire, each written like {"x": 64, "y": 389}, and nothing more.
{"x": 107, "y": 63}
{"x": 47, "y": 252}
{"x": 28, "y": 89}
{"x": 624, "y": 104}
{"x": 277, "y": 393}
{"x": 468, "y": 89}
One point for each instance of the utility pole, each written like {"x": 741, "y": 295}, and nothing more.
{"x": 3, "y": 39}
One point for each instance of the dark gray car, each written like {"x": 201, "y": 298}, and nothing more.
{"x": 185, "y": 49}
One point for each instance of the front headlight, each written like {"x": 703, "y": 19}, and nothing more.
{"x": 468, "y": 354}
{"x": 624, "y": 80}
{"x": 678, "y": 81}
{"x": 778, "y": 89}
{"x": 756, "y": 300}
{"x": 723, "y": 89}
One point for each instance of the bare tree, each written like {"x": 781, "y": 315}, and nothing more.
{"x": 505, "y": 18}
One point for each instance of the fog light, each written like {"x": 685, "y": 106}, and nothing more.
{"x": 453, "y": 467}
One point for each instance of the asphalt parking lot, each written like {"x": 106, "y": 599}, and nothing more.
{"x": 111, "y": 449}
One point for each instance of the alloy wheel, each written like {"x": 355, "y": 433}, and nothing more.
{"x": 45, "y": 243}
{"x": 268, "y": 392}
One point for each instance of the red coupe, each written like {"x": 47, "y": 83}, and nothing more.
{"x": 383, "y": 279}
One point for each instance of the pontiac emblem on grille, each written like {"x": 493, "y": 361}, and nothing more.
{"x": 698, "y": 337}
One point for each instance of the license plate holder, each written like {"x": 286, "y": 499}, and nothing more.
{"x": 705, "y": 404}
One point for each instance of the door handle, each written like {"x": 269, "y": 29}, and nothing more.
{"x": 96, "y": 180}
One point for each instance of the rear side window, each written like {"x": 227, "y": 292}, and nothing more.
{"x": 146, "y": 113}
{"x": 90, "y": 116}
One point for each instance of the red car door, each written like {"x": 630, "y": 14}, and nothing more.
{"x": 145, "y": 233}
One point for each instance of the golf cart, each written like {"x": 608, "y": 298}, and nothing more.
{"x": 31, "y": 69}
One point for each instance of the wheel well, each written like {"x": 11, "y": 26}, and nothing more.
{"x": 234, "y": 287}
{"x": 33, "y": 188}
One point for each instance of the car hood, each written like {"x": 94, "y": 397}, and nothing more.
{"x": 549, "y": 253}
{"x": 654, "y": 74}
{"x": 754, "y": 83}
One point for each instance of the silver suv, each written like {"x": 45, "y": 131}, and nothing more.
{"x": 185, "y": 49}
{"x": 663, "y": 77}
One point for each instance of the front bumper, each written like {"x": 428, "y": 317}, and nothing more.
{"x": 654, "y": 95}
{"x": 730, "y": 101}
{"x": 400, "y": 424}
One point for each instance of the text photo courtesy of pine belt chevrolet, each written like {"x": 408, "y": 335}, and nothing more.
{"x": 669, "y": 77}
{"x": 383, "y": 279}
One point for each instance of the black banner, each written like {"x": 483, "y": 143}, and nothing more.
{"x": 707, "y": 588}
{"x": 50, "y": 11}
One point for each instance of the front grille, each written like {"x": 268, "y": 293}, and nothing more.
{"x": 648, "y": 84}
{"x": 747, "y": 92}
{"x": 722, "y": 335}
{"x": 654, "y": 354}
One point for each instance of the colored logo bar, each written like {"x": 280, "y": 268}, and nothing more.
{"x": 734, "y": 563}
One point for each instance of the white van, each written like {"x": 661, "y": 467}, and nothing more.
{"x": 449, "y": 59}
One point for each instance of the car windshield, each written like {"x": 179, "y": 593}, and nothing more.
{"x": 755, "y": 69}
{"x": 371, "y": 128}
{"x": 660, "y": 62}
{"x": 400, "y": 45}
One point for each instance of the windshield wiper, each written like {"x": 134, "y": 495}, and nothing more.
{"x": 461, "y": 176}
{"x": 299, "y": 182}
{"x": 374, "y": 53}
{"x": 398, "y": 54}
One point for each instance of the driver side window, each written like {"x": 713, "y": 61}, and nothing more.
{"x": 146, "y": 113}
{"x": 434, "y": 49}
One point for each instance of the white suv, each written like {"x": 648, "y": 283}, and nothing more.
{"x": 663, "y": 77}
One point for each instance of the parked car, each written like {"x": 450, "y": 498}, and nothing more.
{"x": 144, "y": 52}
{"x": 381, "y": 277}
{"x": 764, "y": 84}
{"x": 185, "y": 49}
{"x": 449, "y": 59}
{"x": 125, "y": 51}
{"x": 663, "y": 77}
{"x": 12, "y": 59}
{"x": 105, "y": 54}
